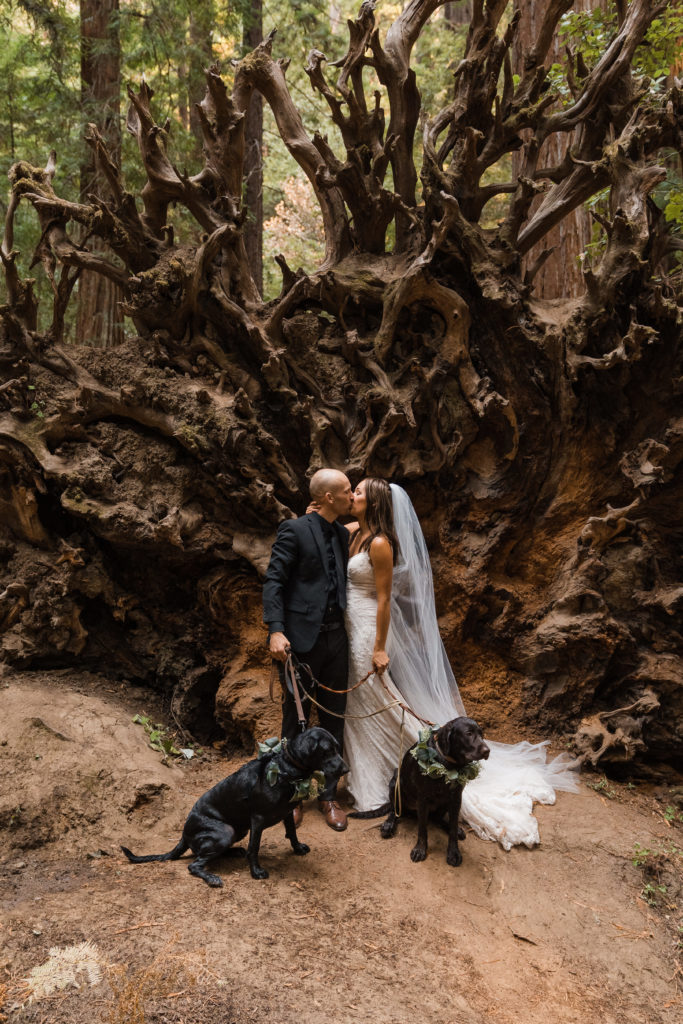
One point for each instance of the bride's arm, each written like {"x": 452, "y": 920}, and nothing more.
{"x": 382, "y": 559}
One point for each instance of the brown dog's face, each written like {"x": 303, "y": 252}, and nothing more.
{"x": 462, "y": 740}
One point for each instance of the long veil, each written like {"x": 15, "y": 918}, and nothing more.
{"x": 498, "y": 803}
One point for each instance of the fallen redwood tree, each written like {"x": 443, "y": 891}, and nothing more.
{"x": 540, "y": 441}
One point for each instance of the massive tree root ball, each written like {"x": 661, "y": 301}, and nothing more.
{"x": 540, "y": 440}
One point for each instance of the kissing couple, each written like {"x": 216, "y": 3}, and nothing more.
{"x": 348, "y": 600}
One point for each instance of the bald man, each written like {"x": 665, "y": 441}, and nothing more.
{"x": 304, "y": 597}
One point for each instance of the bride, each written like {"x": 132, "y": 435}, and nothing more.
{"x": 392, "y": 627}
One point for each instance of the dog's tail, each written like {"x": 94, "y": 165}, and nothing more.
{"x": 173, "y": 854}
{"x": 376, "y": 813}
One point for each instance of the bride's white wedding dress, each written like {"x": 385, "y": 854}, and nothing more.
{"x": 498, "y": 803}
{"x": 371, "y": 745}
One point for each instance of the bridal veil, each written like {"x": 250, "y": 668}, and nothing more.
{"x": 498, "y": 803}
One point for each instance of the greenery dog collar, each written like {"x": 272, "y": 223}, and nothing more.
{"x": 304, "y": 789}
{"x": 427, "y": 758}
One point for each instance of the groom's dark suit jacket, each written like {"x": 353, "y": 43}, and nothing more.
{"x": 295, "y": 592}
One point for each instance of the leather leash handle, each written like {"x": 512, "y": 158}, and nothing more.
{"x": 290, "y": 672}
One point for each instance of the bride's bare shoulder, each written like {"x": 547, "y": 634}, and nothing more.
{"x": 380, "y": 548}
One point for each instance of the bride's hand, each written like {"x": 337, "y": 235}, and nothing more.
{"x": 314, "y": 506}
{"x": 380, "y": 661}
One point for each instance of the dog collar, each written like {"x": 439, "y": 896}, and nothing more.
{"x": 286, "y": 753}
{"x": 304, "y": 788}
{"x": 429, "y": 763}
{"x": 441, "y": 753}
{"x": 273, "y": 746}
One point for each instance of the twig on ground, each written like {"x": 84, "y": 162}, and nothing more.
{"x": 629, "y": 933}
{"x": 143, "y": 924}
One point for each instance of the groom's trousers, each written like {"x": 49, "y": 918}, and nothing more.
{"x": 328, "y": 661}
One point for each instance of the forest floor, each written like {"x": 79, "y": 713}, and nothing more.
{"x": 571, "y": 931}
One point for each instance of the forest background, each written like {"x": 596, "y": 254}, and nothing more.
{"x": 64, "y": 64}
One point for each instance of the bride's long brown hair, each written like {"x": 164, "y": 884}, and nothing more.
{"x": 379, "y": 514}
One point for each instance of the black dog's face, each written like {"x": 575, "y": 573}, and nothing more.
{"x": 318, "y": 750}
{"x": 462, "y": 740}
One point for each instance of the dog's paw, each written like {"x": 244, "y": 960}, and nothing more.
{"x": 301, "y": 849}
{"x": 387, "y": 830}
{"x": 418, "y": 853}
{"x": 462, "y": 835}
{"x": 454, "y": 859}
{"x": 214, "y": 881}
{"x": 258, "y": 872}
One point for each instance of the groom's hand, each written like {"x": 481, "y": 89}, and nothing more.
{"x": 278, "y": 645}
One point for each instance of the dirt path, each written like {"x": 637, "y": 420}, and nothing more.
{"x": 354, "y": 931}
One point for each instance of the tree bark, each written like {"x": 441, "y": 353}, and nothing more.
{"x": 201, "y": 24}
{"x": 253, "y": 157}
{"x": 458, "y": 13}
{"x": 99, "y": 321}
{"x": 560, "y": 274}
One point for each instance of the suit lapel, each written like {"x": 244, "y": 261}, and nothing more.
{"x": 319, "y": 538}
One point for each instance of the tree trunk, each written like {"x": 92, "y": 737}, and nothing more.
{"x": 253, "y": 156}
{"x": 541, "y": 442}
{"x": 560, "y": 275}
{"x": 201, "y": 24}
{"x": 458, "y": 13}
{"x": 100, "y": 321}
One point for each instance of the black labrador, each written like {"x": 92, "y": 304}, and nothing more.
{"x": 247, "y": 802}
{"x": 454, "y": 745}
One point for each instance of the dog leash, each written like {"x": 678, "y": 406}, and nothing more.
{"x": 398, "y": 803}
{"x": 395, "y": 701}
{"x": 292, "y": 675}
{"x": 334, "y": 714}
{"x": 349, "y": 689}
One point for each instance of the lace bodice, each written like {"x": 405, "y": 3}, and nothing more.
{"x": 361, "y": 576}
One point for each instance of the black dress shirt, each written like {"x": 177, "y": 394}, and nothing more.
{"x": 336, "y": 594}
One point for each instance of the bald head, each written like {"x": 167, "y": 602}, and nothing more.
{"x": 331, "y": 490}
{"x": 326, "y": 480}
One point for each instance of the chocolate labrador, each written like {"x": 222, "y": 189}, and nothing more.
{"x": 247, "y": 802}
{"x": 455, "y": 745}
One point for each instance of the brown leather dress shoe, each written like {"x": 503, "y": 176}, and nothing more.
{"x": 334, "y": 816}
{"x": 298, "y": 813}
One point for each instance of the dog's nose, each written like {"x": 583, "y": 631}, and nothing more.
{"x": 344, "y": 768}
{"x": 483, "y": 753}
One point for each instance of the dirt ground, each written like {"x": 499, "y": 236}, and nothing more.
{"x": 355, "y": 931}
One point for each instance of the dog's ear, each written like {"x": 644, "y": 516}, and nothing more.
{"x": 453, "y": 737}
{"x": 304, "y": 745}
{"x": 456, "y": 744}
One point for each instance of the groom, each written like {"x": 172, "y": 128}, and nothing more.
{"x": 304, "y": 597}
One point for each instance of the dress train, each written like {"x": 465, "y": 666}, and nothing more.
{"x": 497, "y": 804}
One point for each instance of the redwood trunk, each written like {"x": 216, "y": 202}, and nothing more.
{"x": 201, "y": 24}
{"x": 100, "y": 321}
{"x": 560, "y": 275}
{"x": 253, "y": 156}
